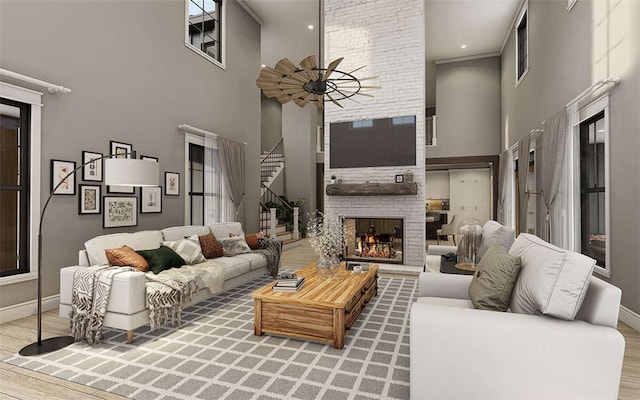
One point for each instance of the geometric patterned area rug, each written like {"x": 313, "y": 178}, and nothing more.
{"x": 215, "y": 355}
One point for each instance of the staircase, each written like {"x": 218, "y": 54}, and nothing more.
{"x": 274, "y": 211}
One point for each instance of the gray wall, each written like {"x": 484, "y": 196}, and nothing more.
{"x": 134, "y": 81}
{"x": 563, "y": 64}
{"x": 467, "y": 108}
{"x": 271, "y": 122}
{"x": 298, "y": 131}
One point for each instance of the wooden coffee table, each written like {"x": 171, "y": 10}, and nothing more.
{"x": 322, "y": 310}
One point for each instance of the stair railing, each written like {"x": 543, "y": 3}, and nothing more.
{"x": 279, "y": 209}
{"x": 271, "y": 160}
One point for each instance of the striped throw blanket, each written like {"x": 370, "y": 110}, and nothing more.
{"x": 90, "y": 297}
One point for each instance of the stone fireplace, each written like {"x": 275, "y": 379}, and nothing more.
{"x": 374, "y": 239}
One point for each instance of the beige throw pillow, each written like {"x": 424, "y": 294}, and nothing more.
{"x": 493, "y": 282}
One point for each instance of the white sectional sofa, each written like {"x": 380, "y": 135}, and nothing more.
{"x": 127, "y": 308}
{"x": 459, "y": 352}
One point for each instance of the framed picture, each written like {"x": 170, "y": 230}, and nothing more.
{"x": 60, "y": 169}
{"x": 120, "y": 150}
{"x": 172, "y": 183}
{"x": 399, "y": 178}
{"x": 119, "y": 211}
{"x": 150, "y": 199}
{"x": 92, "y": 171}
{"x": 149, "y": 158}
{"x": 89, "y": 199}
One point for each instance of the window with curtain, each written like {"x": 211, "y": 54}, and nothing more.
{"x": 207, "y": 201}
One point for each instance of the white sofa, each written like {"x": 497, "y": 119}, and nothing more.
{"x": 459, "y": 352}
{"x": 127, "y": 308}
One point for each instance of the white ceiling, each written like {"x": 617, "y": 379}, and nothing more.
{"x": 480, "y": 24}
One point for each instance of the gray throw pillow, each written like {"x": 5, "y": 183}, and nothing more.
{"x": 493, "y": 282}
{"x": 189, "y": 249}
{"x": 234, "y": 245}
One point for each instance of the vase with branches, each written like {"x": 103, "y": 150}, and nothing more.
{"x": 326, "y": 236}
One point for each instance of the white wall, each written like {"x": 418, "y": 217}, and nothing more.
{"x": 437, "y": 184}
{"x": 387, "y": 37}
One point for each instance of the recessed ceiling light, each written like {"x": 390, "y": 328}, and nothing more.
{"x": 464, "y": 46}
{"x": 263, "y": 65}
{"x": 310, "y": 26}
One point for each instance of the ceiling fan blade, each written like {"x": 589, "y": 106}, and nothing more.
{"x": 302, "y": 101}
{"x": 333, "y": 100}
{"x": 332, "y": 66}
{"x": 286, "y": 66}
{"x": 308, "y": 64}
{"x": 319, "y": 101}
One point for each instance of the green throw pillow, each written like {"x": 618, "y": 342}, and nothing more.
{"x": 161, "y": 259}
{"x": 493, "y": 282}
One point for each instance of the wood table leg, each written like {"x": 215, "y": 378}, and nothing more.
{"x": 338, "y": 328}
{"x": 257, "y": 317}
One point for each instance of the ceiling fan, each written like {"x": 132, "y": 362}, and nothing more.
{"x": 287, "y": 82}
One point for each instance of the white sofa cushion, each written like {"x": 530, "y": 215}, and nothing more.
{"x": 552, "y": 281}
{"x": 181, "y": 232}
{"x": 143, "y": 240}
{"x": 222, "y": 230}
{"x": 494, "y": 233}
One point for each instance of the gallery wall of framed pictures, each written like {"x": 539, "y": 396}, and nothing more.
{"x": 118, "y": 205}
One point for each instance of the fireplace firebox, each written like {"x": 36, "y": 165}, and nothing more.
{"x": 374, "y": 239}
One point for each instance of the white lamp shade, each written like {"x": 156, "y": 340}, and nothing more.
{"x": 131, "y": 172}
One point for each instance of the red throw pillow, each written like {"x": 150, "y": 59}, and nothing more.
{"x": 211, "y": 248}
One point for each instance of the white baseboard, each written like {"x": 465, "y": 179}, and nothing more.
{"x": 630, "y": 318}
{"x": 22, "y": 310}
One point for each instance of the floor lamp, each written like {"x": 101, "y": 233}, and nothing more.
{"x": 117, "y": 171}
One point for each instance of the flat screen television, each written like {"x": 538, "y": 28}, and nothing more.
{"x": 383, "y": 142}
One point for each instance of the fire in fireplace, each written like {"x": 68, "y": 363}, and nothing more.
{"x": 374, "y": 239}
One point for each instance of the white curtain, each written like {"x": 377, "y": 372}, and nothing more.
{"x": 562, "y": 208}
{"x": 211, "y": 184}
{"x": 232, "y": 161}
{"x": 523, "y": 174}
{"x": 505, "y": 177}
{"x": 553, "y": 152}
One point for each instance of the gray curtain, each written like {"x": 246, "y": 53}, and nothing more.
{"x": 523, "y": 172}
{"x": 503, "y": 176}
{"x": 553, "y": 145}
{"x": 232, "y": 163}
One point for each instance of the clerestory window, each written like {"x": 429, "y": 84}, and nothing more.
{"x": 204, "y": 32}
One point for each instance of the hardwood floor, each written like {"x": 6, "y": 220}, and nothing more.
{"x": 23, "y": 384}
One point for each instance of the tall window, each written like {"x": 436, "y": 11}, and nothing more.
{"x": 14, "y": 187}
{"x": 593, "y": 232}
{"x": 522, "y": 45}
{"x": 207, "y": 201}
{"x": 204, "y": 34}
